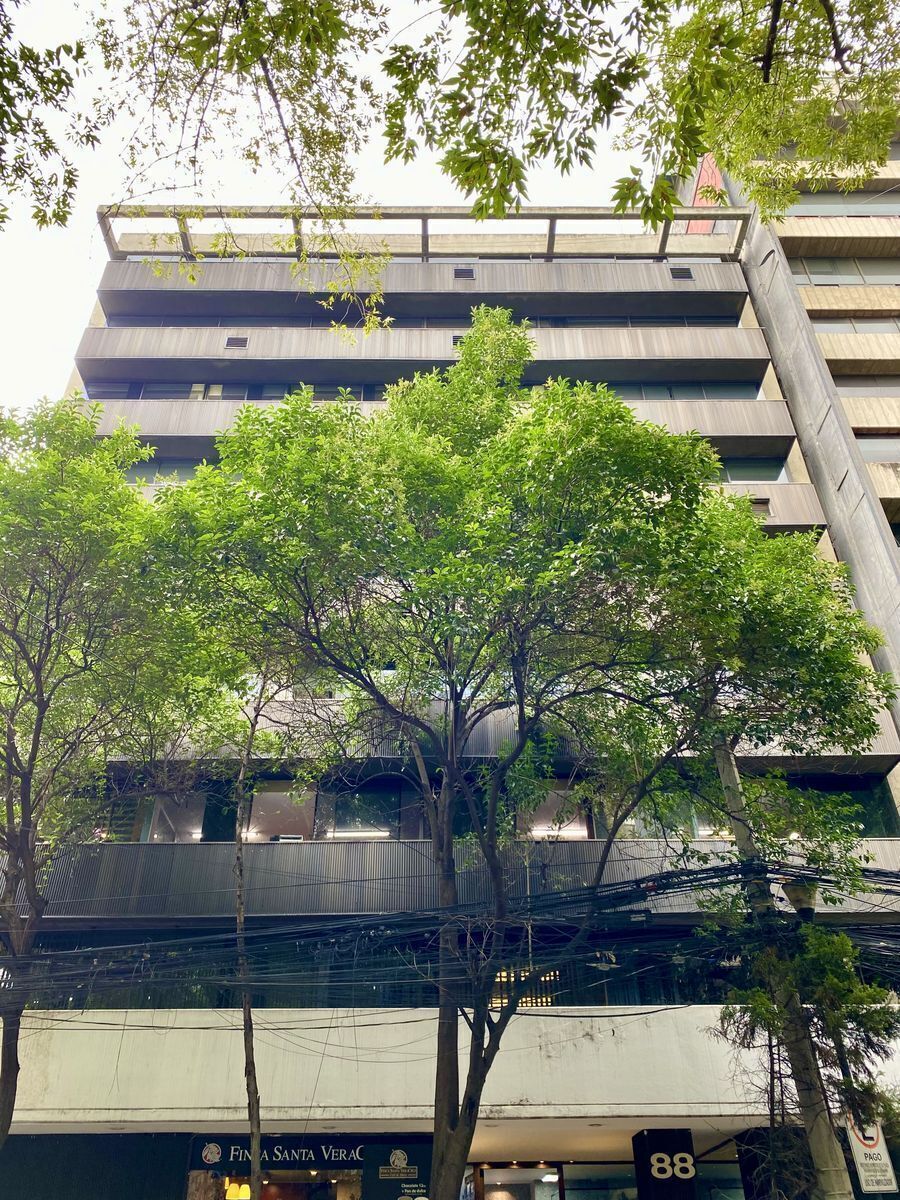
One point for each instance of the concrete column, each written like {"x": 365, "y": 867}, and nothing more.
{"x": 859, "y": 529}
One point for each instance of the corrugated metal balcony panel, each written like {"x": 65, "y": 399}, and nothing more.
{"x": 313, "y": 355}
{"x": 861, "y": 353}
{"x": 843, "y": 237}
{"x": 247, "y": 288}
{"x": 791, "y": 507}
{"x": 113, "y": 882}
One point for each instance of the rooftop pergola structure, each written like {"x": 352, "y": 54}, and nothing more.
{"x": 172, "y": 231}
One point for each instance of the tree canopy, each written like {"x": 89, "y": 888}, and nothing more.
{"x": 778, "y": 91}
{"x": 534, "y": 569}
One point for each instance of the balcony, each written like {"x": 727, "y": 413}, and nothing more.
{"x": 186, "y": 428}
{"x": 670, "y": 353}
{"x": 143, "y": 884}
{"x": 851, "y": 299}
{"x": 872, "y": 414}
{"x": 861, "y": 353}
{"x": 840, "y": 237}
{"x": 787, "y": 507}
{"x": 886, "y": 478}
{"x": 243, "y": 288}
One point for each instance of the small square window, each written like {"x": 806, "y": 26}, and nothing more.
{"x": 236, "y": 343}
{"x": 681, "y": 272}
{"x": 463, "y": 272}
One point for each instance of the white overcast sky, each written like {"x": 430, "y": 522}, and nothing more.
{"x": 50, "y": 276}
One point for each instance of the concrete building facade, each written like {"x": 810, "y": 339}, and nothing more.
{"x": 725, "y": 327}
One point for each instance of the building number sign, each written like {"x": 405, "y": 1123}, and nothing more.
{"x": 664, "y": 1164}
{"x": 672, "y": 1166}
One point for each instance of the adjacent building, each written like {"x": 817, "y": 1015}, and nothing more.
{"x": 782, "y": 347}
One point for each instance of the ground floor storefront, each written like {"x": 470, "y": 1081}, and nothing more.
{"x": 663, "y": 1165}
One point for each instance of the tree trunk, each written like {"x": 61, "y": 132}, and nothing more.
{"x": 242, "y": 817}
{"x": 253, "y": 1110}
{"x": 833, "y": 1180}
{"x": 447, "y": 1176}
{"x": 19, "y": 934}
{"x": 446, "y": 1076}
{"x": 10, "y": 1029}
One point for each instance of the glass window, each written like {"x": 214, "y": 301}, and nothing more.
{"x": 277, "y": 815}
{"x": 657, "y": 391}
{"x": 880, "y": 449}
{"x": 835, "y": 204}
{"x": 372, "y": 810}
{"x": 171, "y": 390}
{"x": 600, "y": 1181}
{"x": 553, "y": 818}
{"x": 177, "y": 820}
{"x": 868, "y": 385}
{"x": 754, "y": 470}
{"x": 731, "y": 391}
{"x": 687, "y": 391}
{"x": 159, "y": 469}
{"x": 630, "y": 392}
{"x": 522, "y": 1183}
{"x": 719, "y": 1181}
{"x": 722, "y": 320}
{"x": 832, "y": 270}
{"x": 833, "y": 324}
{"x": 333, "y": 392}
{"x": 106, "y": 391}
{"x": 875, "y": 324}
{"x": 854, "y": 385}
{"x": 880, "y": 270}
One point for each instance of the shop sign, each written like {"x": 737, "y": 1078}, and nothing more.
{"x": 393, "y": 1167}
{"x": 395, "y": 1172}
{"x": 873, "y": 1163}
{"x": 664, "y": 1164}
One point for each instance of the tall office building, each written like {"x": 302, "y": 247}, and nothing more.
{"x": 137, "y": 1089}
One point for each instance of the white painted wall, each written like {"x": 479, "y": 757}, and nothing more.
{"x": 183, "y": 1069}
{"x": 574, "y": 1083}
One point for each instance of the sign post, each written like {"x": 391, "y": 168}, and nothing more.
{"x": 873, "y": 1163}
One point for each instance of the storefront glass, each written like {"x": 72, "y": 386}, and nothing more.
{"x": 600, "y": 1181}
{"x": 522, "y": 1183}
{"x": 297, "y": 1185}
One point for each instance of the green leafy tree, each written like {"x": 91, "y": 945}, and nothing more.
{"x": 483, "y": 552}
{"x": 789, "y": 653}
{"x": 852, "y": 1023}
{"x": 777, "y": 90}
{"x": 82, "y": 601}
{"x": 38, "y": 95}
